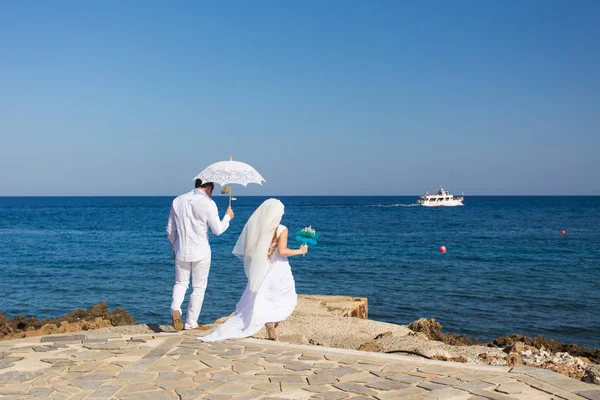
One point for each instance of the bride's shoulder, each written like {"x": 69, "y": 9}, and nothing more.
{"x": 281, "y": 228}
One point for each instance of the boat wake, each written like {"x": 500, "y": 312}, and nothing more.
{"x": 393, "y": 205}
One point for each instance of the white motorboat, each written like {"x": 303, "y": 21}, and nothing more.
{"x": 441, "y": 198}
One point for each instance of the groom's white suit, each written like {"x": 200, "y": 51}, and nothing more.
{"x": 191, "y": 215}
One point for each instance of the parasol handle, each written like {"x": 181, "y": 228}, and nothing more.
{"x": 230, "y": 185}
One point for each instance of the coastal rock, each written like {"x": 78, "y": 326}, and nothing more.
{"x": 518, "y": 347}
{"x": 370, "y": 346}
{"x": 592, "y": 374}
{"x": 513, "y": 359}
{"x": 382, "y": 335}
{"x": 335, "y": 306}
{"x": 97, "y": 316}
{"x": 433, "y": 331}
{"x": 486, "y": 357}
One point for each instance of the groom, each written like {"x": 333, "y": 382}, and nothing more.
{"x": 191, "y": 215}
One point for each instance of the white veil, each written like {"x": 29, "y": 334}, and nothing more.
{"x": 253, "y": 244}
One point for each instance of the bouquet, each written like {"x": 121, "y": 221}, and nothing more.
{"x": 307, "y": 236}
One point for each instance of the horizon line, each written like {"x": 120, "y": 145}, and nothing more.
{"x": 310, "y": 195}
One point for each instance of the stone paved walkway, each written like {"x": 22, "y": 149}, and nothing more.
{"x": 175, "y": 366}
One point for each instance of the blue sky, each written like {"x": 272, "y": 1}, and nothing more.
{"x": 335, "y": 97}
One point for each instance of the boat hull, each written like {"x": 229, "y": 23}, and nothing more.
{"x": 447, "y": 203}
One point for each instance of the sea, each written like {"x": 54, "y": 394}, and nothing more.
{"x": 508, "y": 267}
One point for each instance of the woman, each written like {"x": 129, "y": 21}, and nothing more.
{"x": 270, "y": 295}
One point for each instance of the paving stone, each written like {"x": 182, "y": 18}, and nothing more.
{"x": 471, "y": 376}
{"x": 103, "y": 335}
{"x": 318, "y": 388}
{"x": 430, "y": 385}
{"x": 18, "y": 377}
{"x": 12, "y": 359}
{"x": 590, "y": 394}
{"x": 402, "y": 393}
{"x": 556, "y": 379}
{"x": 207, "y": 386}
{"x": 363, "y": 376}
{"x": 227, "y": 376}
{"x": 305, "y": 357}
{"x": 252, "y": 395}
{"x": 282, "y": 372}
{"x": 110, "y": 345}
{"x": 155, "y": 395}
{"x": 88, "y": 355}
{"x": 69, "y": 338}
{"x": 450, "y": 394}
{"x": 324, "y": 365}
{"x": 493, "y": 395}
{"x": 42, "y": 349}
{"x": 284, "y": 378}
{"x": 230, "y": 389}
{"x": 323, "y": 379}
{"x": 187, "y": 383}
{"x": 546, "y": 387}
{"x": 355, "y": 388}
{"x": 339, "y": 371}
{"x": 476, "y": 385}
{"x": 216, "y": 397}
{"x": 520, "y": 369}
{"x": 84, "y": 384}
{"x": 331, "y": 395}
{"x": 446, "y": 380}
{"x": 40, "y": 392}
{"x": 244, "y": 367}
{"x": 214, "y": 362}
{"x": 405, "y": 378}
{"x": 268, "y": 387}
{"x": 511, "y": 388}
{"x": 170, "y": 376}
{"x": 399, "y": 368}
{"x": 105, "y": 391}
{"x": 386, "y": 384}
{"x": 292, "y": 386}
{"x": 188, "y": 394}
{"x": 16, "y": 388}
{"x": 298, "y": 366}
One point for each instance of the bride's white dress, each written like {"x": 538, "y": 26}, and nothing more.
{"x": 274, "y": 301}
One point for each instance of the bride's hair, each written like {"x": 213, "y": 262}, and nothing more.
{"x": 273, "y": 245}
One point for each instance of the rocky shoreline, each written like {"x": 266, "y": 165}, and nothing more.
{"x": 342, "y": 322}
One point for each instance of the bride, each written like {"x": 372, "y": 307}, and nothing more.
{"x": 270, "y": 295}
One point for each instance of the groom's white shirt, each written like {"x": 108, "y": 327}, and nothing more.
{"x": 191, "y": 215}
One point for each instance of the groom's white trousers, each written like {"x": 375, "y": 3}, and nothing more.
{"x": 199, "y": 271}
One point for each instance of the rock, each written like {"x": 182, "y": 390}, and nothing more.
{"x": 294, "y": 338}
{"x": 370, "y": 346}
{"x": 486, "y": 357}
{"x": 592, "y": 374}
{"x": 513, "y": 359}
{"x": 517, "y": 347}
{"x": 341, "y": 306}
{"x": 551, "y": 345}
{"x": 436, "y": 354}
{"x": 433, "y": 331}
{"x": 460, "y": 359}
{"x": 97, "y": 316}
{"x": 382, "y": 335}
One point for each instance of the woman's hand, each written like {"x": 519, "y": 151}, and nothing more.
{"x": 303, "y": 249}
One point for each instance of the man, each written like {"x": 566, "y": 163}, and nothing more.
{"x": 191, "y": 215}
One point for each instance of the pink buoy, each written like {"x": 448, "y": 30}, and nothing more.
{"x": 563, "y": 232}
{"x": 443, "y": 249}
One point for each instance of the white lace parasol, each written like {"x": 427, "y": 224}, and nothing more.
{"x": 229, "y": 172}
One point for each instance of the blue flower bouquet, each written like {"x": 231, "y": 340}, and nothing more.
{"x": 307, "y": 236}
